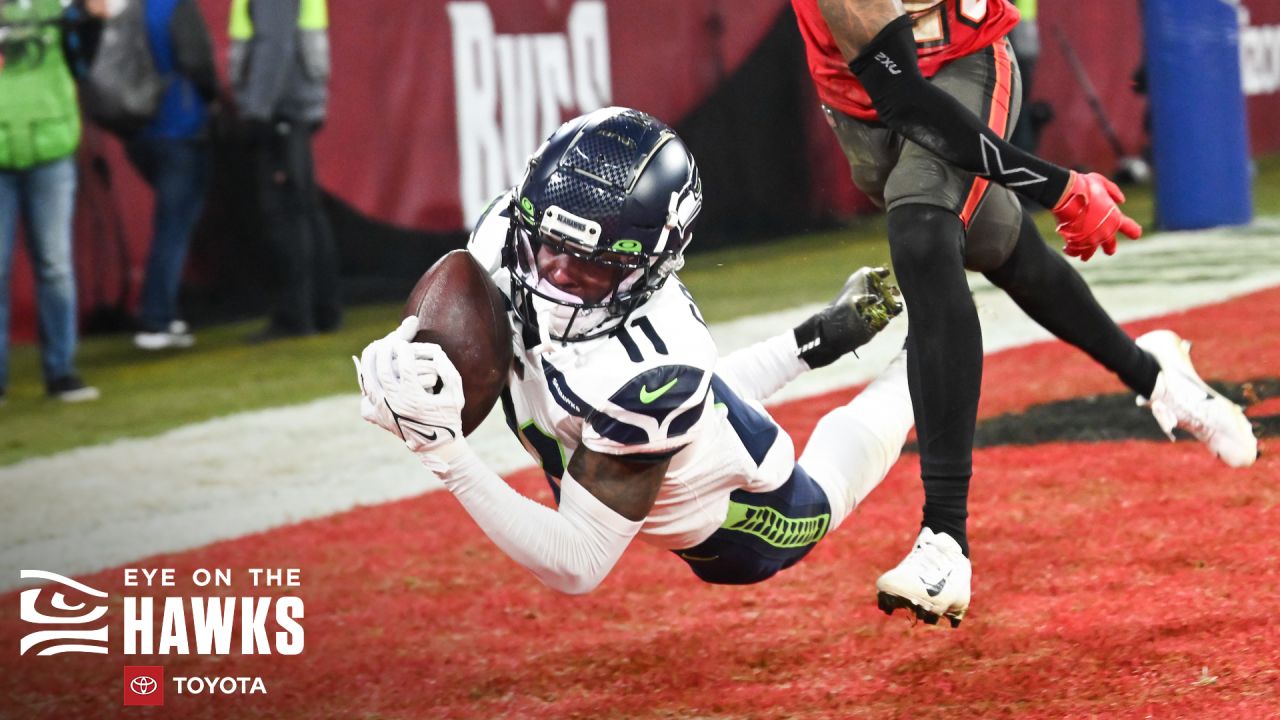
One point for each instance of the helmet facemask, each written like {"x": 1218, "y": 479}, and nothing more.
{"x": 561, "y": 316}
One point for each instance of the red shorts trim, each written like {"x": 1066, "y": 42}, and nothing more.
{"x": 997, "y": 120}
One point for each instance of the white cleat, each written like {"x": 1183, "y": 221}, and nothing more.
{"x": 932, "y": 581}
{"x": 1182, "y": 399}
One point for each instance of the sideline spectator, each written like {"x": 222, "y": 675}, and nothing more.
{"x": 280, "y": 73}
{"x": 38, "y": 181}
{"x": 172, "y": 154}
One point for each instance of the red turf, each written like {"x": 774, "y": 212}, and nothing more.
{"x": 1127, "y": 579}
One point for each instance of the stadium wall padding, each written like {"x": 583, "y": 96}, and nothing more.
{"x": 403, "y": 178}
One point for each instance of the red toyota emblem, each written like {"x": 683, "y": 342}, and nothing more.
{"x": 143, "y": 684}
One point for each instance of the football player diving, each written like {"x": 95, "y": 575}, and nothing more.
{"x": 617, "y": 389}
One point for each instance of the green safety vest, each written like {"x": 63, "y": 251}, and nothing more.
{"x": 39, "y": 115}
{"x": 312, "y": 15}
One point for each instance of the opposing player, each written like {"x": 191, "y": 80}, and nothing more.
{"x": 617, "y": 389}
{"x": 922, "y": 104}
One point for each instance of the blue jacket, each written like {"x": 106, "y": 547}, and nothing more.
{"x": 182, "y": 51}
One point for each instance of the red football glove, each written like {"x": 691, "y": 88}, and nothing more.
{"x": 1088, "y": 216}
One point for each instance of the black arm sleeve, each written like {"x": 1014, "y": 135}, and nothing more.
{"x": 193, "y": 48}
{"x": 928, "y": 116}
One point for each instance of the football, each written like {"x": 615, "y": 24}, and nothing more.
{"x": 461, "y": 310}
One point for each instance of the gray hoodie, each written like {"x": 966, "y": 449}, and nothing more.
{"x": 281, "y": 71}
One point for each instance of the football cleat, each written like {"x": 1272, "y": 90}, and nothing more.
{"x": 863, "y": 307}
{"x": 1182, "y": 399}
{"x": 932, "y": 581}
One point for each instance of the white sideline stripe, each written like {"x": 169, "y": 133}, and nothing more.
{"x": 96, "y": 507}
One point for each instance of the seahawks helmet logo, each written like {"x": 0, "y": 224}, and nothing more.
{"x": 682, "y": 210}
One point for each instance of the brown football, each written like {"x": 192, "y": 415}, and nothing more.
{"x": 461, "y": 310}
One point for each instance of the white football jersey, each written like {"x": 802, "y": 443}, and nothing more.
{"x": 647, "y": 388}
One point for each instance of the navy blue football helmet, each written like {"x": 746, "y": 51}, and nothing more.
{"x": 615, "y": 187}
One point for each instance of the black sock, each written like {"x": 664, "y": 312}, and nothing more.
{"x": 946, "y": 507}
{"x": 1053, "y": 294}
{"x": 944, "y": 357}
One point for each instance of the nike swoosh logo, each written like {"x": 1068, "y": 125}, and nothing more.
{"x": 696, "y": 558}
{"x": 934, "y": 588}
{"x": 648, "y": 397}
{"x": 419, "y": 427}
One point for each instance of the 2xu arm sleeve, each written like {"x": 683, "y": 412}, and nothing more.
{"x": 913, "y": 106}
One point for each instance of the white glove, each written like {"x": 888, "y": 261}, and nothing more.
{"x": 373, "y": 406}
{"x": 413, "y": 391}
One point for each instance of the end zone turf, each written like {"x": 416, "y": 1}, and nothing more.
{"x": 1126, "y": 578}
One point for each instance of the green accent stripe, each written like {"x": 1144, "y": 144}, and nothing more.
{"x": 564, "y": 461}
{"x": 775, "y": 528}
{"x": 241, "y": 27}
{"x": 312, "y": 15}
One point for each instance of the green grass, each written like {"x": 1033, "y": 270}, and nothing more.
{"x": 784, "y": 273}
{"x": 147, "y": 393}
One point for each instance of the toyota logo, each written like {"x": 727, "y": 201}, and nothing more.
{"x": 143, "y": 685}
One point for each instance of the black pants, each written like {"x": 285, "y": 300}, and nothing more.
{"x": 307, "y": 296}
{"x": 178, "y": 170}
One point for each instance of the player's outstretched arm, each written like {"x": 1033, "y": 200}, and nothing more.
{"x": 413, "y": 391}
{"x": 625, "y": 484}
{"x": 876, "y": 37}
{"x": 573, "y": 548}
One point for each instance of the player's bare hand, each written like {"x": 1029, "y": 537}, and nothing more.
{"x": 1089, "y": 216}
